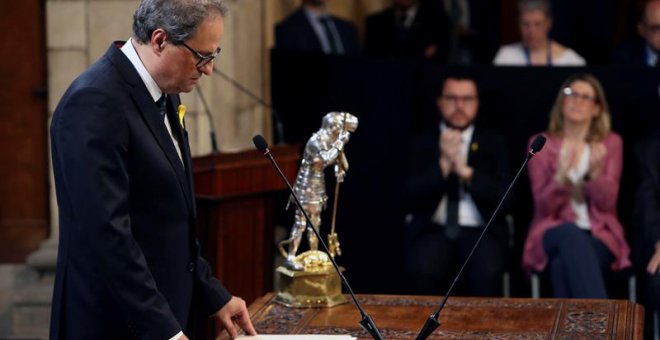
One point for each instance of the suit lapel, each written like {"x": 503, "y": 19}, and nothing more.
{"x": 149, "y": 111}
{"x": 182, "y": 137}
{"x": 154, "y": 122}
{"x": 308, "y": 32}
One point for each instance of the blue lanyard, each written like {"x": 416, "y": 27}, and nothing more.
{"x": 528, "y": 57}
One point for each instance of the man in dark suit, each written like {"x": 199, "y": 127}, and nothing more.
{"x": 645, "y": 51}
{"x": 455, "y": 180}
{"x": 647, "y": 222}
{"x": 312, "y": 29}
{"x": 129, "y": 265}
{"x": 408, "y": 30}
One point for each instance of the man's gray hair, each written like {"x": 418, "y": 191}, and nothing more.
{"x": 535, "y": 5}
{"x": 179, "y": 18}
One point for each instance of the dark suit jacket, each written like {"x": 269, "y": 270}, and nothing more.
{"x": 128, "y": 264}
{"x": 647, "y": 200}
{"x": 296, "y": 33}
{"x": 385, "y": 40}
{"x": 630, "y": 53}
{"x": 425, "y": 186}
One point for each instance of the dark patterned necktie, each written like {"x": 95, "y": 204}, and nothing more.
{"x": 452, "y": 227}
{"x": 334, "y": 48}
{"x": 162, "y": 105}
{"x": 171, "y": 117}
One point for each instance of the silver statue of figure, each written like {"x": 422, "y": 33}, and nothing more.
{"x": 324, "y": 148}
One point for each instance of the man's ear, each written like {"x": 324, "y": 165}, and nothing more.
{"x": 158, "y": 40}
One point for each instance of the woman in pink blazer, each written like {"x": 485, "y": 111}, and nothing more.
{"x": 575, "y": 235}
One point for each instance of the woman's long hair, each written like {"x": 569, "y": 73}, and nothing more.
{"x": 600, "y": 125}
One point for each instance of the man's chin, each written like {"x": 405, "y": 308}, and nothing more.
{"x": 458, "y": 125}
{"x": 186, "y": 88}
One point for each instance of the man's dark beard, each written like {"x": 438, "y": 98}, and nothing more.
{"x": 450, "y": 125}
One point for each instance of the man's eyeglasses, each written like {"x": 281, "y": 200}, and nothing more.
{"x": 652, "y": 28}
{"x": 570, "y": 93}
{"x": 453, "y": 99}
{"x": 202, "y": 59}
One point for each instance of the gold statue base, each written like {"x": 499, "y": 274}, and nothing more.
{"x": 318, "y": 285}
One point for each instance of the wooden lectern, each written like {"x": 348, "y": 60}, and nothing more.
{"x": 401, "y": 317}
{"x": 235, "y": 195}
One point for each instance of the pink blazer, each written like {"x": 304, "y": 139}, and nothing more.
{"x": 552, "y": 203}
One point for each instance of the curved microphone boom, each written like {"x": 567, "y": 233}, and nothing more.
{"x": 367, "y": 323}
{"x": 279, "y": 129}
{"x": 214, "y": 141}
{"x": 432, "y": 322}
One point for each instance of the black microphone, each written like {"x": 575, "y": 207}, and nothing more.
{"x": 432, "y": 322}
{"x": 214, "y": 141}
{"x": 537, "y": 145}
{"x": 367, "y": 323}
{"x": 277, "y": 120}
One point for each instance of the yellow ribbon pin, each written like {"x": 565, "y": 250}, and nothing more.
{"x": 182, "y": 113}
{"x": 474, "y": 147}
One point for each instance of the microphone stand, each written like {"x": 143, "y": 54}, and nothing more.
{"x": 279, "y": 129}
{"x": 367, "y": 323}
{"x": 432, "y": 322}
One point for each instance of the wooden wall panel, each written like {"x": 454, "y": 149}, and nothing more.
{"x": 23, "y": 141}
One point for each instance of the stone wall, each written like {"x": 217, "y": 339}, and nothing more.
{"x": 79, "y": 32}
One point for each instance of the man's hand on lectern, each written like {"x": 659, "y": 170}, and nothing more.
{"x": 234, "y": 316}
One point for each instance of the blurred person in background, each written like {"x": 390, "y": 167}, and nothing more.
{"x": 536, "y": 47}
{"x": 575, "y": 236}
{"x": 313, "y": 29}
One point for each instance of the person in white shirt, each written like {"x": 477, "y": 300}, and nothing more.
{"x": 536, "y": 47}
{"x": 455, "y": 179}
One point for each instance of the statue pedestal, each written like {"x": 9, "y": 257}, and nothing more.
{"x": 319, "y": 286}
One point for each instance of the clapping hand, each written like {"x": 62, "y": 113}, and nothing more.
{"x": 596, "y": 159}
{"x": 450, "y": 147}
{"x": 654, "y": 264}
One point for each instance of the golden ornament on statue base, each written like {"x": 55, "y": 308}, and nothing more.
{"x": 317, "y": 285}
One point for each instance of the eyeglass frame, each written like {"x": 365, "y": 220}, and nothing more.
{"x": 454, "y": 99}
{"x": 652, "y": 28}
{"x": 203, "y": 59}
{"x": 570, "y": 93}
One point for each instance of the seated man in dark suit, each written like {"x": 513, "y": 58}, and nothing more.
{"x": 456, "y": 178}
{"x": 647, "y": 220}
{"x": 312, "y": 29}
{"x": 646, "y": 50}
{"x": 408, "y": 30}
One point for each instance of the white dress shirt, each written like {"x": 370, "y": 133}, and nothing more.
{"x": 468, "y": 214}
{"x": 151, "y": 85}
{"x": 514, "y": 55}
{"x": 576, "y": 175}
{"x": 651, "y": 55}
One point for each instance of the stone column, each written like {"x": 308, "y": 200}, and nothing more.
{"x": 67, "y": 47}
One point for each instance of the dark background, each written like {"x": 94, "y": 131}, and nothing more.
{"x": 394, "y": 101}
